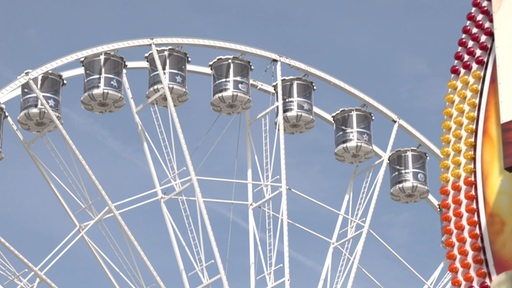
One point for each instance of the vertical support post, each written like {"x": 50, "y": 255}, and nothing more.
{"x": 359, "y": 248}
{"x": 191, "y": 170}
{"x": 3, "y": 115}
{"x": 502, "y": 14}
{"x": 284, "y": 186}
{"x": 158, "y": 189}
{"x": 336, "y": 232}
{"x": 250, "y": 201}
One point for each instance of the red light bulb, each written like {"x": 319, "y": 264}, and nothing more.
{"x": 466, "y": 65}
{"x": 479, "y": 60}
{"x": 461, "y": 238}
{"x": 472, "y": 221}
{"x": 445, "y": 204}
{"x": 463, "y": 251}
{"x": 446, "y": 217}
{"x": 456, "y": 186}
{"x": 485, "y": 10}
{"x": 459, "y": 225}
{"x": 455, "y": 70}
{"x": 483, "y": 46}
{"x": 468, "y": 181}
{"x": 473, "y": 234}
{"x": 471, "y": 52}
{"x": 448, "y": 230}
{"x": 444, "y": 190}
{"x": 475, "y": 37}
{"x": 468, "y": 277}
{"x": 478, "y": 259}
{"x": 469, "y": 195}
{"x": 476, "y": 247}
{"x": 466, "y": 29}
{"x": 488, "y": 32}
{"x": 479, "y": 24}
{"x": 448, "y": 242}
{"x": 465, "y": 263}
{"x": 457, "y": 200}
{"x": 481, "y": 273}
{"x": 457, "y": 213}
{"x": 450, "y": 255}
{"x": 463, "y": 42}
{"x": 471, "y": 16}
{"x": 453, "y": 268}
{"x": 471, "y": 209}
{"x": 459, "y": 56}
{"x": 456, "y": 282}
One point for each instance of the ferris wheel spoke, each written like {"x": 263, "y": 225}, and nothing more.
{"x": 11, "y": 272}
{"x": 54, "y": 188}
{"x": 380, "y": 176}
{"x": 195, "y": 183}
{"x": 83, "y": 227}
{"x": 328, "y": 259}
{"x": 399, "y": 258}
{"x": 166, "y": 153}
{"x": 353, "y": 218}
{"x": 271, "y": 202}
{"x": 156, "y": 182}
{"x": 266, "y": 248}
{"x": 95, "y": 182}
{"x": 199, "y": 267}
{"x": 169, "y": 165}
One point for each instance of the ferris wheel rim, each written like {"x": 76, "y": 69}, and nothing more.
{"x": 9, "y": 92}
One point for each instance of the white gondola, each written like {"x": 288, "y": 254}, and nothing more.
{"x": 231, "y": 85}
{"x": 33, "y": 116}
{"x": 3, "y": 115}
{"x": 297, "y": 104}
{"x": 408, "y": 171}
{"x": 174, "y": 66}
{"x": 103, "y": 83}
{"x": 353, "y": 135}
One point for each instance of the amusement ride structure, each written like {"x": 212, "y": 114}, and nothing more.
{"x": 169, "y": 188}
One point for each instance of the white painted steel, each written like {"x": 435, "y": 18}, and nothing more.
{"x": 281, "y": 241}
{"x": 100, "y": 189}
{"x": 284, "y": 186}
{"x": 158, "y": 188}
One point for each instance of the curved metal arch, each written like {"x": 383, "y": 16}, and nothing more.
{"x": 7, "y": 92}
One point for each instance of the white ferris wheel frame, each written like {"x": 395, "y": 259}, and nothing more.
{"x": 11, "y": 91}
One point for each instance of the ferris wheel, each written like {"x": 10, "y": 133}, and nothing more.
{"x": 177, "y": 162}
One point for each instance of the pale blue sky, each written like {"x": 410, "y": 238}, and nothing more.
{"x": 398, "y": 52}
